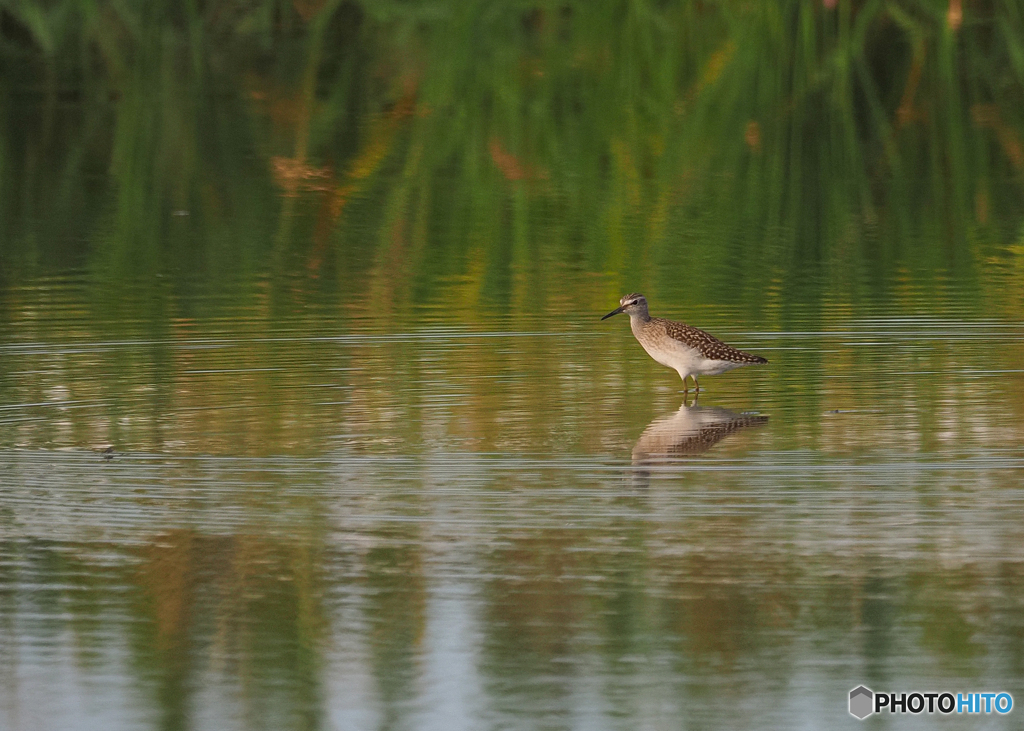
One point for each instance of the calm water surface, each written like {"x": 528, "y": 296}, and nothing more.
{"x": 455, "y": 519}
{"x": 308, "y": 419}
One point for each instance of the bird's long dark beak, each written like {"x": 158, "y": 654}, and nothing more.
{"x": 616, "y": 311}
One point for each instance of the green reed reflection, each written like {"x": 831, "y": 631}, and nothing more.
{"x": 402, "y": 146}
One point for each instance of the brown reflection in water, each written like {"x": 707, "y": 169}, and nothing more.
{"x": 559, "y": 596}
{"x": 721, "y": 612}
{"x": 722, "y": 601}
{"x": 250, "y": 606}
{"x": 167, "y": 577}
{"x": 395, "y": 606}
{"x": 533, "y": 615}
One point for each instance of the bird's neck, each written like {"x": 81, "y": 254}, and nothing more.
{"x": 636, "y": 319}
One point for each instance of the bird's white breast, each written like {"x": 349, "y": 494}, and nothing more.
{"x": 670, "y": 352}
{"x": 675, "y": 355}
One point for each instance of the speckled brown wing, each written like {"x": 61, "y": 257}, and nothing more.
{"x": 710, "y": 347}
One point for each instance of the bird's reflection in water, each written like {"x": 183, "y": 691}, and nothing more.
{"x": 690, "y": 431}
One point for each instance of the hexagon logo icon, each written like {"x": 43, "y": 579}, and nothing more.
{"x": 861, "y": 702}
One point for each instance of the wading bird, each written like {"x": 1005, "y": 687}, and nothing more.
{"x": 689, "y": 351}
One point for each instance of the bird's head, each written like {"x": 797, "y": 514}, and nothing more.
{"x": 630, "y": 304}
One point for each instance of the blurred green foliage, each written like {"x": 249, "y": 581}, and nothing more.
{"x": 695, "y": 148}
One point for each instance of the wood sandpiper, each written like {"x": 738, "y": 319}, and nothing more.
{"x": 686, "y": 349}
